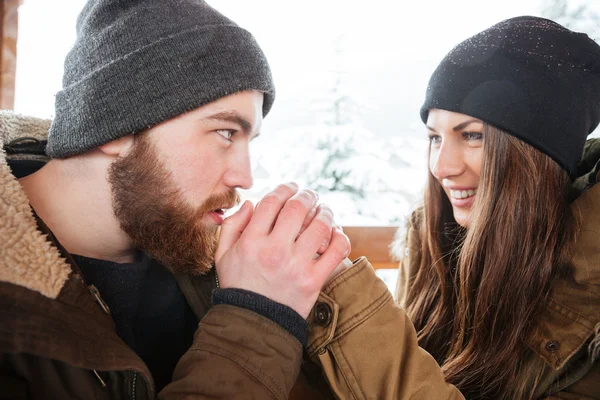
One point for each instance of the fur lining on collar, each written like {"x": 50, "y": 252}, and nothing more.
{"x": 14, "y": 126}
{"x": 26, "y": 258}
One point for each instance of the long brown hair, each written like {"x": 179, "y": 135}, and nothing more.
{"x": 478, "y": 291}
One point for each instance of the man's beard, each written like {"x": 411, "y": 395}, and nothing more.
{"x": 153, "y": 212}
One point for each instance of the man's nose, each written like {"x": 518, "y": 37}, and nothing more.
{"x": 239, "y": 172}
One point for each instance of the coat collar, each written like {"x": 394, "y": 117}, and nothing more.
{"x": 52, "y": 313}
{"x": 571, "y": 318}
{"x": 27, "y": 259}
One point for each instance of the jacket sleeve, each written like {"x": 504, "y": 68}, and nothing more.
{"x": 367, "y": 346}
{"x": 586, "y": 388}
{"x": 13, "y": 388}
{"x": 236, "y": 354}
{"x": 409, "y": 263}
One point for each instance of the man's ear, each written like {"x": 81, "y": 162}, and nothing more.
{"x": 118, "y": 147}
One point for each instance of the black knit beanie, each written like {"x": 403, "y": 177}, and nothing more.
{"x": 529, "y": 76}
{"x": 137, "y": 63}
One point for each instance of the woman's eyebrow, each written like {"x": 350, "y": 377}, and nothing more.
{"x": 463, "y": 125}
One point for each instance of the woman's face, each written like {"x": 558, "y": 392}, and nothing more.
{"x": 455, "y": 158}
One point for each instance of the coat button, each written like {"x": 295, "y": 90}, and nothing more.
{"x": 552, "y": 346}
{"x": 322, "y": 314}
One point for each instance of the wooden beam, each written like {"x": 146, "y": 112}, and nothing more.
{"x": 9, "y": 26}
{"x": 372, "y": 242}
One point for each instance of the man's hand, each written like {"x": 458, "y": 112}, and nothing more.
{"x": 264, "y": 252}
{"x": 345, "y": 264}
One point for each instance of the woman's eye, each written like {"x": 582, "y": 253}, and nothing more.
{"x": 226, "y": 133}
{"x": 472, "y": 136}
{"x": 435, "y": 139}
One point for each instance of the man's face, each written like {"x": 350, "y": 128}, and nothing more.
{"x": 170, "y": 191}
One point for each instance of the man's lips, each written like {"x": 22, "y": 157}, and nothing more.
{"x": 217, "y": 216}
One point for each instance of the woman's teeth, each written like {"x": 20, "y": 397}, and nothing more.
{"x": 462, "y": 194}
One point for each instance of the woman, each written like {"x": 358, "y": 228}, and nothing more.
{"x": 501, "y": 270}
{"x": 507, "y": 114}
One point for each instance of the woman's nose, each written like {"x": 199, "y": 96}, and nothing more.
{"x": 447, "y": 161}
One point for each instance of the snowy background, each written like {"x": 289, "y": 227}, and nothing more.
{"x": 350, "y": 80}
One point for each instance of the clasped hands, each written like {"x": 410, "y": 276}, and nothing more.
{"x": 286, "y": 249}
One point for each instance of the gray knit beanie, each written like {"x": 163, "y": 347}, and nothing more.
{"x": 137, "y": 63}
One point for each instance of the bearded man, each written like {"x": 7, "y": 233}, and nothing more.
{"x": 110, "y": 225}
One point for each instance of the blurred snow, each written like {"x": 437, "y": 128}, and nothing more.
{"x": 390, "y": 277}
{"x": 365, "y": 178}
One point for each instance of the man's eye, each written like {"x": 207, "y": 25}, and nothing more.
{"x": 226, "y": 133}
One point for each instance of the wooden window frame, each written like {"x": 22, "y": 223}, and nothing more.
{"x": 374, "y": 243}
{"x": 9, "y": 27}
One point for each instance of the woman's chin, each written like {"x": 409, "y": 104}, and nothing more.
{"x": 462, "y": 217}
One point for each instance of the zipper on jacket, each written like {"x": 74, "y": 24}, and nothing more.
{"x": 99, "y": 378}
{"x": 133, "y": 381}
{"x": 96, "y": 293}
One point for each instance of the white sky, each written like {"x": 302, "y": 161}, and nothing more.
{"x": 389, "y": 50}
